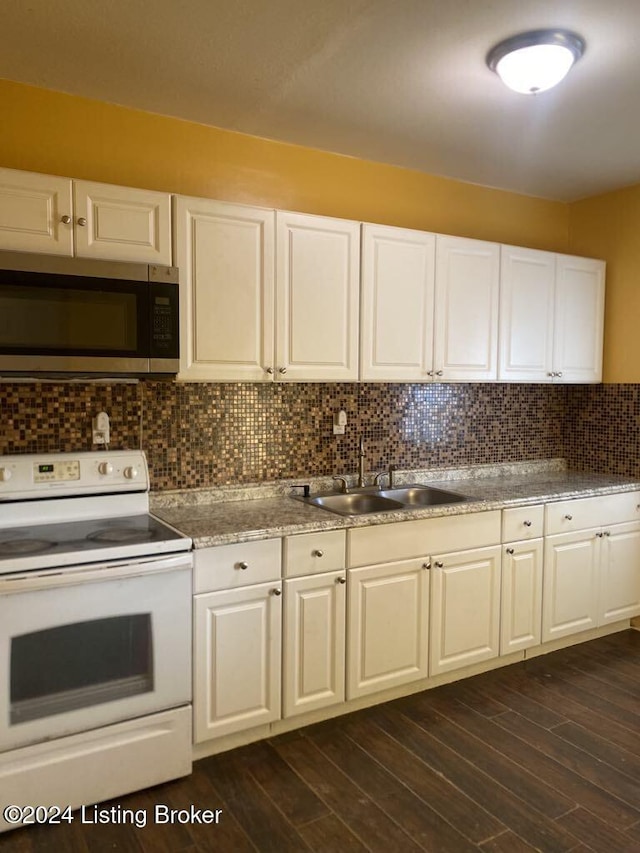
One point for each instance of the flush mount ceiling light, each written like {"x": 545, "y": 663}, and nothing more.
{"x": 535, "y": 61}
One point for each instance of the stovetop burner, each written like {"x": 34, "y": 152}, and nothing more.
{"x": 122, "y": 535}
{"x": 24, "y": 546}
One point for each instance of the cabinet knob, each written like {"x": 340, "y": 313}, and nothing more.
{"x": 439, "y": 565}
{"x": 269, "y": 370}
{"x": 439, "y": 372}
{"x": 341, "y": 580}
{"x": 82, "y": 221}
{"x": 559, "y": 374}
{"x": 244, "y": 566}
{"x": 429, "y": 372}
{"x": 276, "y": 591}
{"x": 598, "y": 535}
{"x": 569, "y": 517}
{"x": 510, "y": 551}
{"x": 282, "y": 370}
{"x": 527, "y": 523}
{"x": 607, "y": 533}
{"x": 318, "y": 553}
{"x": 550, "y": 374}
{"x": 66, "y": 220}
{"x": 426, "y": 566}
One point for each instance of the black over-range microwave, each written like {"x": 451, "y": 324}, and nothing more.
{"x": 63, "y": 315}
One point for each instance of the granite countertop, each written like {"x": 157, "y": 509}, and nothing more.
{"x": 223, "y": 516}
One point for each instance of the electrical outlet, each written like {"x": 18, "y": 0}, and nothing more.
{"x": 101, "y": 429}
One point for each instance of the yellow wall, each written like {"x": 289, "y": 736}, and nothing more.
{"x": 50, "y": 132}
{"x": 608, "y": 226}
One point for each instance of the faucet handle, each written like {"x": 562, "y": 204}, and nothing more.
{"x": 306, "y": 488}
{"x": 392, "y": 469}
{"x": 344, "y": 487}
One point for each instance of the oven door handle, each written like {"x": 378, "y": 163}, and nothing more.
{"x": 93, "y": 573}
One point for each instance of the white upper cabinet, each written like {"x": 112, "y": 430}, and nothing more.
{"x": 317, "y": 275}
{"x": 398, "y": 281}
{"x": 122, "y": 224}
{"x": 225, "y": 256}
{"x": 32, "y": 208}
{"x": 527, "y": 287}
{"x": 466, "y": 309}
{"x": 579, "y": 319}
{"x": 58, "y": 216}
{"x": 551, "y": 317}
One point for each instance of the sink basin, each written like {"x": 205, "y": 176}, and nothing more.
{"x": 410, "y": 496}
{"x": 355, "y": 503}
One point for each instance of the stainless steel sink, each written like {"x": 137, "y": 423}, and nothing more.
{"x": 372, "y": 500}
{"x": 422, "y": 496}
{"x": 355, "y": 503}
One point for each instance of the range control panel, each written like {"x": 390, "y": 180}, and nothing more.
{"x": 28, "y": 476}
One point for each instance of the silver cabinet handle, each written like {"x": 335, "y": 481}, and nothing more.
{"x": 276, "y": 592}
{"x": 439, "y": 565}
{"x": 66, "y": 220}
{"x": 341, "y": 580}
{"x": 317, "y": 553}
{"x": 598, "y": 535}
{"x": 439, "y": 372}
{"x": 269, "y": 370}
{"x": 510, "y": 551}
{"x": 82, "y": 221}
{"x": 426, "y": 566}
{"x": 550, "y": 374}
{"x": 559, "y": 374}
{"x": 430, "y": 372}
{"x": 569, "y": 517}
{"x": 244, "y": 566}
{"x": 527, "y": 523}
{"x": 282, "y": 370}
{"x": 607, "y": 533}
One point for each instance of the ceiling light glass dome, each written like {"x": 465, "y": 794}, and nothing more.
{"x": 535, "y": 61}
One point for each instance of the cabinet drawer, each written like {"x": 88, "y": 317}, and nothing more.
{"x": 581, "y": 513}
{"x": 230, "y": 566}
{"x": 526, "y": 522}
{"x": 311, "y": 553}
{"x": 404, "y": 540}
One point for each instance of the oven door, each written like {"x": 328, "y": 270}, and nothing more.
{"x": 88, "y": 646}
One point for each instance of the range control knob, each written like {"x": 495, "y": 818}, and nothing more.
{"x": 5, "y": 475}
{"x": 105, "y": 468}
{"x": 131, "y": 473}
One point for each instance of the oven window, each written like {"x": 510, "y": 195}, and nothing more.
{"x": 61, "y": 319}
{"x": 75, "y": 666}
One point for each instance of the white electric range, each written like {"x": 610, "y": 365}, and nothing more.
{"x": 95, "y": 632}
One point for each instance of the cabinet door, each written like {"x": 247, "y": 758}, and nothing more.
{"x": 620, "y": 573}
{"x": 31, "y": 210}
{"x": 387, "y": 623}
{"x": 466, "y": 309}
{"x": 579, "y": 319}
{"x": 122, "y": 223}
{"x": 570, "y": 586}
{"x": 527, "y": 281}
{"x": 398, "y": 270}
{"x": 313, "y": 644}
{"x": 225, "y": 254}
{"x": 236, "y": 660}
{"x": 521, "y": 608}
{"x": 465, "y": 608}
{"x": 317, "y": 270}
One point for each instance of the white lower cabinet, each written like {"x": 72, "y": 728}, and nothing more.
{"x": 619, "y": 596}
{"x": 387, "y": 626}
{"x": 465, "y": 608}
{"x": 313, "y": 642}
{"x": 570, "y": 590}
{"x": 236, "y": 659}
{"x": 521, "y": 596}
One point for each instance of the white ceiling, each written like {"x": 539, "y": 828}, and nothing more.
{"x": 397, "y": 81}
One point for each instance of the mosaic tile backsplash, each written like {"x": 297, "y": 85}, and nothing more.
{"x": 204, "y": 435}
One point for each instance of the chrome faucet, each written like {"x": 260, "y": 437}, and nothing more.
{"x": 361, "y": 482}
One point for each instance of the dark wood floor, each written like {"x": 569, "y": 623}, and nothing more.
{"x": 543, "y": 755}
